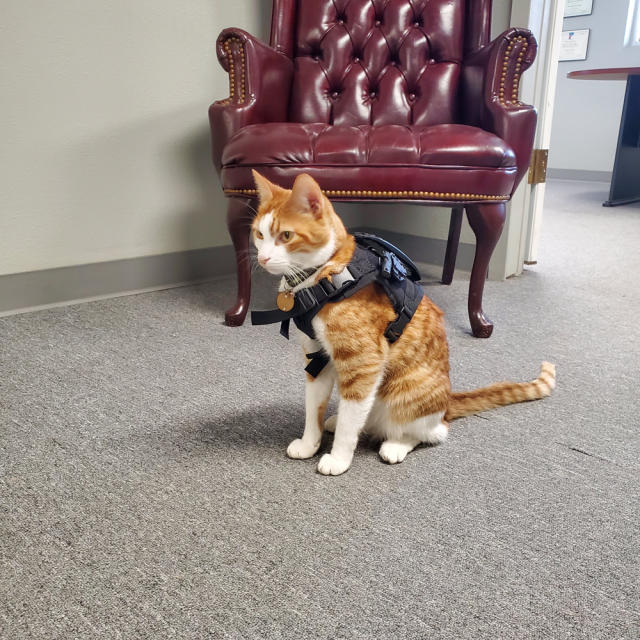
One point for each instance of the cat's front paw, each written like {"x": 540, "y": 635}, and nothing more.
{"x": 299, "y": 449}
{"x": 331, "y": 465}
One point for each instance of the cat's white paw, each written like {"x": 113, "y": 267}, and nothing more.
{"x": 301, "y": 450}
{"x": 394, "y": 452}
{"x": 330, "y": 465}
{"x": 330, "y": 424}
{"x": 438, "y": 434}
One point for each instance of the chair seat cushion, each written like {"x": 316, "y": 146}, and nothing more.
{"x": 446, "y": 159}
{"x": 442, "y": 144}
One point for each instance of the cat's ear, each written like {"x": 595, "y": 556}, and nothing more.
{"x": 266, "y": 189}
{"x": 306, "y": 196}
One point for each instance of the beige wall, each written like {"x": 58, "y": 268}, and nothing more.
{"x": 586, "y": 115}
{"x": 105, "y": 142}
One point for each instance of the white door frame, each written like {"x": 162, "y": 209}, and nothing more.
{"x": 538, "y": 87}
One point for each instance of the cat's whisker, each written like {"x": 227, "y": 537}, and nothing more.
{"x": 252, "y": 208}
{"x": 294, "y": 279}
{"x": 293, "y": 274}
{"x": 243, "y": 258}
{"x": 297, "y": 274}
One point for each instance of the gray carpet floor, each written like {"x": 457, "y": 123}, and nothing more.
{"x": 145, "y": 491}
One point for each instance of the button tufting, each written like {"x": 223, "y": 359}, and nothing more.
{"x": 335, "y": 94}
{"x": 378, "y": 23}
{"x": 412, "y": 97}
{"x": 356, "y": 59}
{"x": 373, "y": 94}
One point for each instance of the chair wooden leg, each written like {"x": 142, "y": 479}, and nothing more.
{"x": 452, "y": 245}
{"x": 239, "y": 217}
{"x": 487, "y": 221}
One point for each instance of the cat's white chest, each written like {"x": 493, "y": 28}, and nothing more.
{"x": 319, "y": 329}
{"x": 311, "y": 346}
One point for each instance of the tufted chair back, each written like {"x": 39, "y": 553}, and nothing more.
{"x": 377, "y": 62}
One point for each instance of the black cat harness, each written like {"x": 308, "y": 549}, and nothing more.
{"x": 374, "y": 260}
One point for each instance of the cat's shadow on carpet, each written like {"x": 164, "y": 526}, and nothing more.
{"x": 270, "y": 428}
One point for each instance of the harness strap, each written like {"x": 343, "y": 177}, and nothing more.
{"x": 269, "y": 317}
{"x": 405, "y": 310}
{"x": 315, "y": 299}
{"x": 284, "y": 328}
{"x": 308, "y": 302}
{"x": 305, "y": 301}
{"x": 319, "y": 360}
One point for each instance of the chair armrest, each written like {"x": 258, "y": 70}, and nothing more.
{"x": 491, "y": 79}
{"x": 259, "y": 87}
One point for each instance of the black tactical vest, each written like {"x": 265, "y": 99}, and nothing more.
{"x": 374, "y": 260}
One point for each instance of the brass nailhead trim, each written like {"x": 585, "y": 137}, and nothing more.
{"x": 232, "y": 75}
{"x": 516, "y": 76}
{"x": 391, "y": 194}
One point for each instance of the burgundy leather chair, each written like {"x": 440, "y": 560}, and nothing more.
{"x": 392, "y": 100}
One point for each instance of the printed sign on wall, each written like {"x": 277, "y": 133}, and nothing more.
{"x": 577, "y": 8}
{"x": 573, "y": 45}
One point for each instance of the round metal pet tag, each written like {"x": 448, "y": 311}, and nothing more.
{"x": 285, "y": 301}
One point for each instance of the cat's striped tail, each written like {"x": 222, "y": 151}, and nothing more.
{"x": 502, "y": 393}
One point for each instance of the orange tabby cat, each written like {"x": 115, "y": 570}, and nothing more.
{"x": 399, "y": 393}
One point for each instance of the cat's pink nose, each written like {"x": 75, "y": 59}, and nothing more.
{"x": 263, "y": 261}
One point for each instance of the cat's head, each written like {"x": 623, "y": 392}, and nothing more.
{"x": 295, "y": 229}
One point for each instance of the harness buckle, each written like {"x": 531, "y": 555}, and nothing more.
{"x": 386, "y": 265}
{"x": 339, "y": 280}
{"x": 327, "y": 286}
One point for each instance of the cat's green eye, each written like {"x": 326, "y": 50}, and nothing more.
{"x": 286, "y": 235}
{"x": 259, "y": 235}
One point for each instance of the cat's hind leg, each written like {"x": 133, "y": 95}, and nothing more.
{"x": 434, "y": 434}
{"x": 396, "y": 450}
{"x": 401, "y": 439}
{"x": 396, "y": 441}
{"x": 330, "y": 424}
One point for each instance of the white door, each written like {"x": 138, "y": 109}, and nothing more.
{"x": 538, "y": 87}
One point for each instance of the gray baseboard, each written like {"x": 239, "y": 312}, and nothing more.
{"x": 579, "y": 174}
{"x": 428, "y": 250}
{"x": 23, "y": 292}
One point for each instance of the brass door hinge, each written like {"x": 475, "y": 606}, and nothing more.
{"x": 538, "y": 166}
